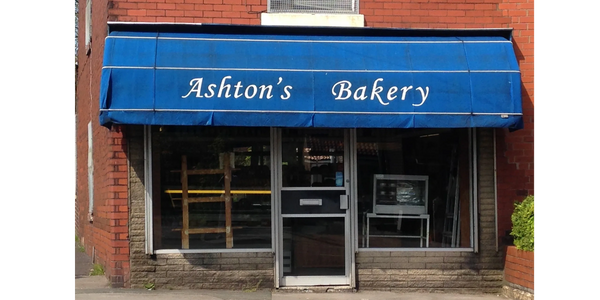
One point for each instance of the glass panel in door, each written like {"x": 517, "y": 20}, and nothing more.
{"x": 313, "y": 246}
{"x": 312, "y": 158}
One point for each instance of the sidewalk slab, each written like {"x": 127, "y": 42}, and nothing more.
{"x": 98, "y": 288}
{"x": 91, "y": 283}
{"x": 142, "y": 294}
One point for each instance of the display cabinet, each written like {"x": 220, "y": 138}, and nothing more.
{"x": 400, "y": 194}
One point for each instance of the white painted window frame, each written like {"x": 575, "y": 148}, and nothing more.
{"x": 88, "y": 25}
{"x": 149, "y": 216}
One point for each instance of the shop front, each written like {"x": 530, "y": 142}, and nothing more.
{"x": 291, "y": 157}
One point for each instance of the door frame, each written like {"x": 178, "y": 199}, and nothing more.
{"x": 350, "y": 228}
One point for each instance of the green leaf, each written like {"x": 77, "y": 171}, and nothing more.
{"x": 523, "y": 224}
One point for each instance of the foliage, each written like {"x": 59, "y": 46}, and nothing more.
{"x": 78, "y": 245}
{"x": 522, "y": 224}
{"x": 97, "y": 270}
{"x": 149, "y": 285}
{"x": 252, "y": 288}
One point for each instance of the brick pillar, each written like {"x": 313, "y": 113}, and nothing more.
{"x": 117, "y": 268}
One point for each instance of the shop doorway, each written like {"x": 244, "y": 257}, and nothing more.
{"x": 313, "y": 193}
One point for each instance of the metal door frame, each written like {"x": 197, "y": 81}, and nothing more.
{"x": 349, "y": 219}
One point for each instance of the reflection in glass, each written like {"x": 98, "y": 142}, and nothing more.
{"x": 245, "y": 153}
{"x": 313, "y": 246}
{"x": 313, "y": 157}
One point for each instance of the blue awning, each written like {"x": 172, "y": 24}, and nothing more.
{"x": 310, "y": 80}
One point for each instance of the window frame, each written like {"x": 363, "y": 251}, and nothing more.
{"x": 355, "y": 4}
{"x": 149, "y": 214}
{"x": 88, "y": 26}
{"x": 473, "y": 211}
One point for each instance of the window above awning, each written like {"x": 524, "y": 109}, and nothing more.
{"x": 309, "y": 77}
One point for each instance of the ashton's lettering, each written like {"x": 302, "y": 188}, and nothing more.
{"x": 225, "y": 89}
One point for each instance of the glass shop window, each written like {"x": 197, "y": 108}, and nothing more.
{"x": 413, "y": 188}
{"x": 212, "y": 187}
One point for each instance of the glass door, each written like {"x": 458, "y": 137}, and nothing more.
{"x": 314, "y": 224}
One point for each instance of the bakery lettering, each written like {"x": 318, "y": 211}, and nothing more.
{"x": 341, "y": 90}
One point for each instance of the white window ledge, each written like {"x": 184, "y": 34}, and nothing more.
{"x": 305, "y": 19}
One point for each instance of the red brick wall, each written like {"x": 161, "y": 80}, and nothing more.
{"x": 105, "y": 238}
{"x": 239, "y": 12}
{"x": 433, "y": 14}
{"x": 518, "y": 268}
{"x": 515, "y": 149}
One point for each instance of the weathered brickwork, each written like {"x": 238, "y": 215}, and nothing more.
{"x": 433, "y": 271}
{"x": 486, "y": 193}
{"x": 449, "y": 278}
{"x": 520, "y": 273}
{"x": 203, "y": 270}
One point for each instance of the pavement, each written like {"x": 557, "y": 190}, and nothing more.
{"x": 97, "y": 288}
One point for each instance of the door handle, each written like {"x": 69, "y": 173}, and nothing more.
{"x": 344, "y": 201}
{"x": 318, "y": 202}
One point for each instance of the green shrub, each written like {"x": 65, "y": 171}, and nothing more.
{"x": 522, "y": 224}
{"x": 97, "y": 270}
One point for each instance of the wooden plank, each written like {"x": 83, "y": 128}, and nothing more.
{"x": 253, "y": 192}
{"x": 202, "y": 230}
{"x": 205, "y": 199}
{"x": 204, "y": 171}
{"x": 228, "y": 232}
{"x": 185, "y": 237}
{"x": 207, "y": 230}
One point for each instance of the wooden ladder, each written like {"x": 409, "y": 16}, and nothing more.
{"x": 186, "y": 200}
